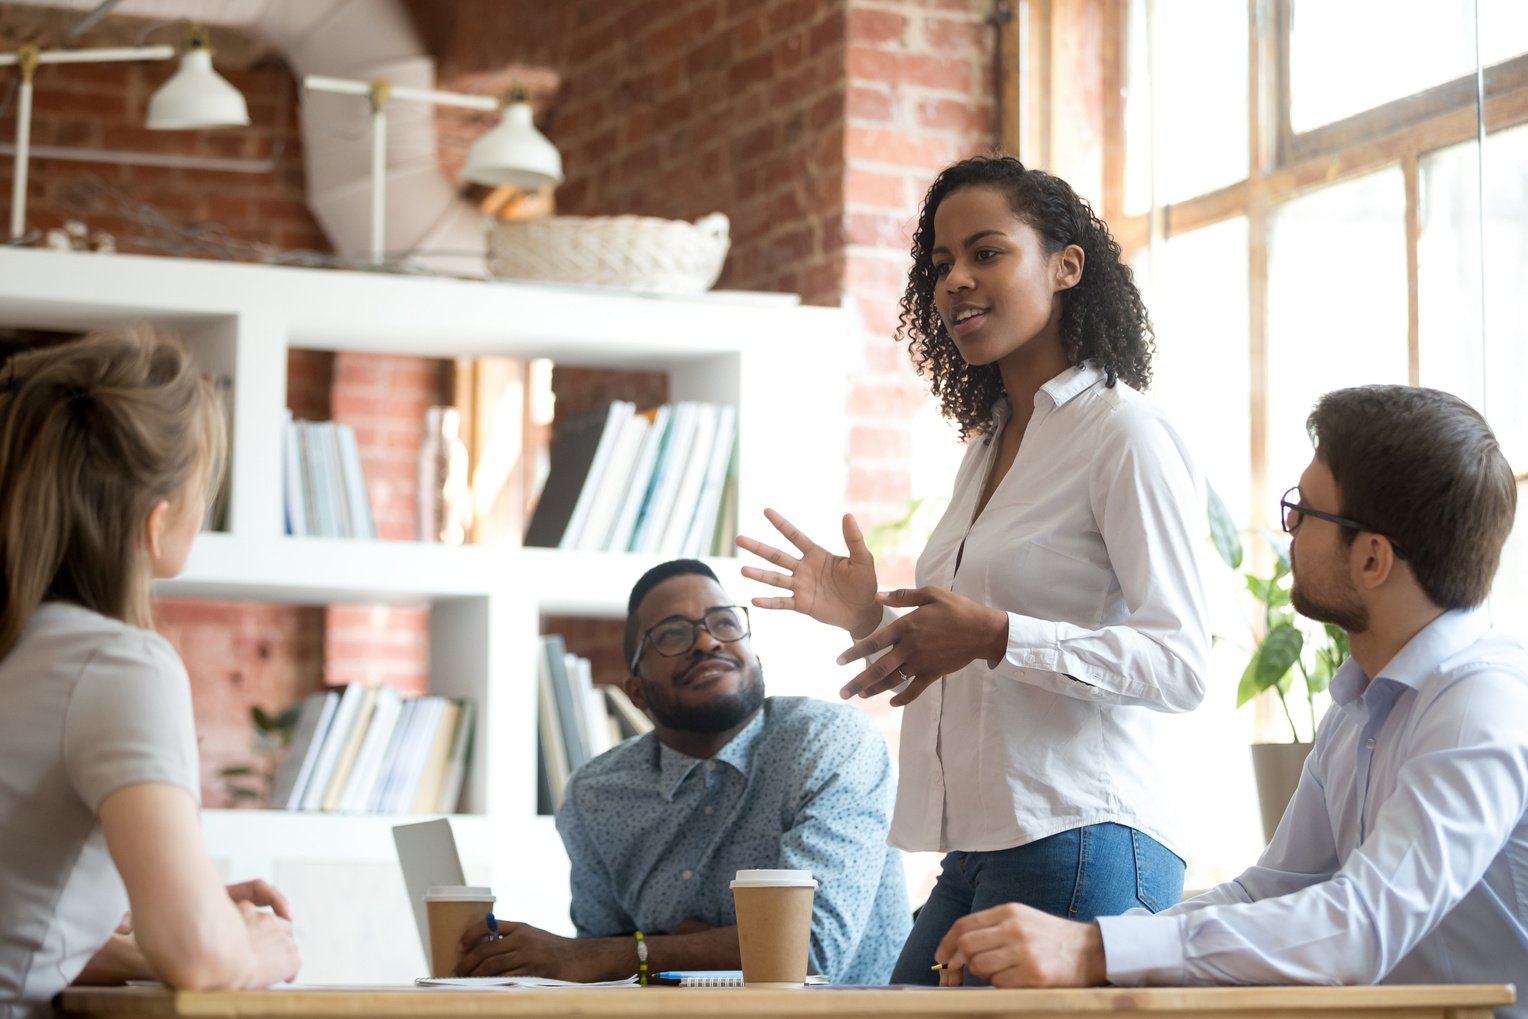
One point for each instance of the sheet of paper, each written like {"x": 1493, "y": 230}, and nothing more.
{"x": 483, "y": 983}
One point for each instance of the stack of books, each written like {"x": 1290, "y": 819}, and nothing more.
{"x": 324, "y": 486}
{"x": 662, "y": 481}
{"x": 576, "y": 720}
{"x": 368, "y": 750}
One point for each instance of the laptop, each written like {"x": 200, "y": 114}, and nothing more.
{"x": 427, "y": 855}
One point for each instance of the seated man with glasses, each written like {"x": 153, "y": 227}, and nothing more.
{"x": 728, "y": 780}
{"x": 1403, "y": 856}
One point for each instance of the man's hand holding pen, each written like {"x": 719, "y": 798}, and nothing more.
{"x": 503, "y": 948}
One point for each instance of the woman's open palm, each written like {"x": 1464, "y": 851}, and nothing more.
{"x": 833, "y": 589}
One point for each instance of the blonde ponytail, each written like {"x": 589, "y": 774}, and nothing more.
{"x": 93, "y": 434}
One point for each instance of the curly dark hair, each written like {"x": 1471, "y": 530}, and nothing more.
{"x": 1102, "y": 318}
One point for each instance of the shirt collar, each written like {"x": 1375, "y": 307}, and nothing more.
{"x": 674, "y": 767}
{"x": 1071, "y": 383}
{"x": 1418, "y": 660}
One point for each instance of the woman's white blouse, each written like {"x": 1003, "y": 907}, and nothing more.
{"x": 1090, "y": 545}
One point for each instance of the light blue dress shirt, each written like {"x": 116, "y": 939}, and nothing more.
{"x": 655, "y": 837}
{"x": 1403, "y": 856}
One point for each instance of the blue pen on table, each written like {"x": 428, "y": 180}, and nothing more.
{"x": 493, "y": 928}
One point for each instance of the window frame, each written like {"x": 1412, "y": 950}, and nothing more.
{"x": 1282, "y": 164}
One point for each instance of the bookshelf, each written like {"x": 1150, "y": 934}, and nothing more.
{"x": 781, "y": 365}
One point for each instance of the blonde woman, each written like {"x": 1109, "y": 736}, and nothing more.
{"x": 108, "y": 448}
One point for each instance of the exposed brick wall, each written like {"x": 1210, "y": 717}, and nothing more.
{"x": 918, "y": 96}
{"x": 679, "y": 109}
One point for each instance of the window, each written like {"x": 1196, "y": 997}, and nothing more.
{"x": 1358, "y": 197}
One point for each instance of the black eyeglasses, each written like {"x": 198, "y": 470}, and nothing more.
{"x": 1294, "y": 511}
{"x": 676, "y": 635}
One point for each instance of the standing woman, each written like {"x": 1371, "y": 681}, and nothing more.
{"x": 1058, "y": 603}
{"x": 108, "y": 449}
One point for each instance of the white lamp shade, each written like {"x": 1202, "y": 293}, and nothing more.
{"x": 514, "y": 153}
{"x": 196, "y": 96}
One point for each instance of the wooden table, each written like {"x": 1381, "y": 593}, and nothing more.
{"x": 1452, "y": 1001}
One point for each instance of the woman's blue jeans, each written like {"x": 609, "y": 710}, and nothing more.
{"x": 1082, "y": 874}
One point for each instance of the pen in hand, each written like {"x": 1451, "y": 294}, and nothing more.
{"x": 938, "y": 966}
{"x": 493, "y": 928}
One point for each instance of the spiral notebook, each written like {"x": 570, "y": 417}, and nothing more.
{"x": 715, "y": 978}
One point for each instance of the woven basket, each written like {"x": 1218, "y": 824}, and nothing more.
{"x": 637, "y": 252}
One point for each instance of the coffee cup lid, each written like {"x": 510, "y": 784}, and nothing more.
{"x": 449, "y": 893}
{"x": 774, "y": 879}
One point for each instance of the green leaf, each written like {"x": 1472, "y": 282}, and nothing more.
{"x": 240, "y": 771}
{"x": 262, "y": 720}
{"x": 1223, "y": 529}
{"x": 1261, "y": 589}
{"x": 1278, "y": 596}
{"x": 1248, "y": 688}
{"x": 287, "y": 720}
{"x": 1278, "y": 653}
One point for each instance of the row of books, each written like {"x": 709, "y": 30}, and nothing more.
{"x": 575, "y": 719}
{"x": 662, "y": 481}
{"x": 323, "y": 483}
{"x": 368, "y": 750}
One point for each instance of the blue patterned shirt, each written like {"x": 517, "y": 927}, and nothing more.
{"x": 655, "y": 837}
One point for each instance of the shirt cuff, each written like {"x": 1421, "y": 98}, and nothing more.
{"x": 1143, "y": 949}
{"x": 1032, "y": 643}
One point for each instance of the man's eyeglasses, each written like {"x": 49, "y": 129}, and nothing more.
{"x": 676, "y": 635}
{"x": 1293, "y": 512}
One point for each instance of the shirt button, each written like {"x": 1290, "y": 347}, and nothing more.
{"x": 710, "y": 765}
{"x": 687, "y": 874}
{"x": 710, "y": 809}
{"x": 1031, "y": 659}
{"x": 1369, "y": 743}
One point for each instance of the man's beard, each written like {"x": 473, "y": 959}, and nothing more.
{"x": 1350, "y": 613}
{"x": 716, "y": 715}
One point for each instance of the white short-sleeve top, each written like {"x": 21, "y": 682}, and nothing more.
{"x": 90, "y": 705}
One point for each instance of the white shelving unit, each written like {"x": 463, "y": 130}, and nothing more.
{"x": 779, "y": 363}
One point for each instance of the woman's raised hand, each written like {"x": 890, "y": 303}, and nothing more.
{"x": 834, "y": 589}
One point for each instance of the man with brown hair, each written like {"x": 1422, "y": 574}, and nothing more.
{"x": 1402, "y": 856}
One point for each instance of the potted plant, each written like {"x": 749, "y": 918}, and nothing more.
{"x": 1284, "y": 646}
